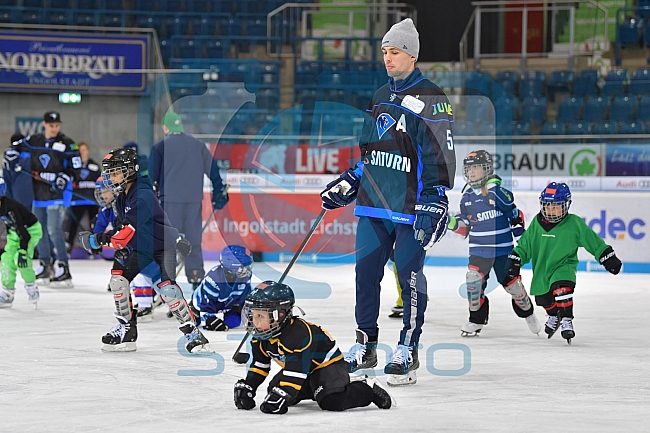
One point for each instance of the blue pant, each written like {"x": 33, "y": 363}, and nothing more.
{"x": 51, "y": 218}
{"x": 186, "y": 218}
{"x": 375, "y": 240}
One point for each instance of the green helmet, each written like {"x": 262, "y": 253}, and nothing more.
{"x": 275, "y": 298}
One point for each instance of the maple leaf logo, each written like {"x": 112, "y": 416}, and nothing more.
{"x": 585, "y": 168}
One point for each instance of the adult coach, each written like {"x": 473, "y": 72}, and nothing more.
{"x": 177, "y": 165}
{"x": 54, "y": 159}
{"x": 408, "y": 163}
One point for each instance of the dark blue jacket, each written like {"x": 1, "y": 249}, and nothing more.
{"x": 140, "y": 208}
{"x": 16, "y": 169}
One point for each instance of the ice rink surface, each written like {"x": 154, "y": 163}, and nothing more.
{"x": 56, "y": 379}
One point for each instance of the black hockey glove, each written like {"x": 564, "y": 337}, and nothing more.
{"x": 517, "y": 218}
{"x": 515, "y": 267}
{"x": 60, "y": 182}
{"x": 244, "y": 395}
{"x": 276, "y": 402}
{"x": 341, "y": 191}
{"x": 220, "y": 197}
{"x": 213, "y": 323}
{"x": 22, "y": 259}
{"x": 609, "y": 260}
{"x": 183, "y": 246}
{"x": 431, "y": 219}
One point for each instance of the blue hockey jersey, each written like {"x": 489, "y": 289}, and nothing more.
{"x": 488, "y": 217}
{"x": 15, "y": 170}
{"x": 217, "y": 295}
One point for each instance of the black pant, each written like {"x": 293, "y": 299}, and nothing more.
{"x": 484, "y": 265}
{"x": 73, "y": 218}
{"x": 558, "y": 301}
{"x": 330, "y": 387}
{"x": 161, "y": 265}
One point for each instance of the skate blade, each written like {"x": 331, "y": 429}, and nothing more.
{"x": 395, "y": 315}
{"x": 145, "y": 319}
{"x": 61, "y": 284}
{"x": 402, "y": 379}
{"x": 5, "y": 305}
{"x": 201, "y": 350}
{"x": 470, "y": 334}
{"x": 122, "y": 347}
{"x": 43, "y": 281}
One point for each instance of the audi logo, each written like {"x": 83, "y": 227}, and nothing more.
{"x": 250, "y": 180}
{"x": 311, "y": 181}
{"x": 577, "y": 183}
{"x": 644, "y": 184}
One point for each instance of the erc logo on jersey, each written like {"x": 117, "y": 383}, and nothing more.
{"x": 384, "y": 122}
{"x": 45, "y": 159}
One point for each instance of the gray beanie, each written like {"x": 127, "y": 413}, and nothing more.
{"x": 403, "y": 36}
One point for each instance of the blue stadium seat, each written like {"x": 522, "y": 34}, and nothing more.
{"x": 518, "y": 129}
{"x": 111, "y": 20}
{"x": 268, "y": 99}
{"x": 585, "y": 84}
{"x": 307, "y": 73}
{"x": 176, "y": 6}
{"x": 552, "y": 128}
{"x": 57, "y": 18}
{"x": 594, "y": 109}
{"x": 486, "y": 129}
{"x": 184, "y": 48}
{"x": 634, "y": 127}
{"x": 147, "y": 5}
{"x": 512, "y": 76}
{"x": 640, "y": 82}
{"x": 85, "y": 4}
{"x": 478, "y": 110}
{"x": 464, "y": 129}
{"x": 507, "y": 87}
{"x": 32, "y": 17}
{"x": 533, "y": 111}
{"x": 83, "y": 19}
{"x": 559, "y": 81}
{"x": 615, "y": 81}
{"x": 576, "y": 128}
{"x": 628, "y": 32}
{"x": 531, "y": 87}
{"x": 5, "y": 16}
{"x": 621, "y": 109}
{"x": 506, "y": 110}
{"x": 603, "y": 128}
{"x": 151, "y": 22}
{"x": 60, "y": 4}
{"x": 643, "y": 109}
{"x": 270, "y": 74}
{"x": 111, "y": 5}
{"x": 569, "y": 109}
{"x": 33, "y": 3}
{"x": 165, "y": 50}
{"x": 478, "y": 83}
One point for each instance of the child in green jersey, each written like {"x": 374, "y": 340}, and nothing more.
{"x": 551, "y": 242}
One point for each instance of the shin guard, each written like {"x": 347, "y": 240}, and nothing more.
{"x": 518, "y": 292}
{"x": 474, "y": 281}
{"x": 173, "y": 297}
{"x": 120, "y": 289}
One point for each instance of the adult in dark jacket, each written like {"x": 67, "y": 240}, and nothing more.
{"x": 177, "y": 165}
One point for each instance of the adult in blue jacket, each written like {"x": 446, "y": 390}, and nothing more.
{"x": 177, "y": 165}
{"x": 408, "y": 163}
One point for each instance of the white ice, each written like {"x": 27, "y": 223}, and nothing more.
{"x": 54, "y": 377}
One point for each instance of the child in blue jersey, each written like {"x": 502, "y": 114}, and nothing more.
{"x": 491, "y": 218}
{"x": 224, "y": 290}
{"x": 141, "y": 285}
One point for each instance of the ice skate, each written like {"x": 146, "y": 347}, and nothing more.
{"x": 471, "y": 329}
{"x": 567, "y": 329}
{"x": 396, "y": 312}
{"x": 381, "y": 398}
{"x": 62, "y": 277}
{"x": 195, "y": 340}
{"x": 44, "y": 272}
{"x": 122, "y": 337}
{"x": 32, "y": 293}
{"x": 552, "y": 324}
{"x": 145, "y": 314}
{"x": 363, "y": 354}
{"x": 6, "y": 297}
{"x": 533, "y": 324}
{"x": 402, "y": 365}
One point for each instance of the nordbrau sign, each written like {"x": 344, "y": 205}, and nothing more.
{"x": 56, "y": 62}
{"x": 541, "y": 160}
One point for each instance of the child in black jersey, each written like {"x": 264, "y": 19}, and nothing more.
{"x": 23, "y": 234}
{"x": 312, "y": 364}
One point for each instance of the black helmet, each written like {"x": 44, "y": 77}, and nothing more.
{"x": 483, "y": 159}
{"x": 275, "y": 298}
{"x": 122, "y": 164}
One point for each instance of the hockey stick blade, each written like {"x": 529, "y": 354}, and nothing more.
{"x": 241, "y": 357}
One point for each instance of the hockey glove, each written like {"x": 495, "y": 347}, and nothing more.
{"x": 22, "y": 259}
{"x": 342, "y": 191}
{"x": 220, "y": 197}
{"x": 183, "y": 246}
{"x": 276, "y": 402}
{"x": 93, "y": 242}
{"x": 431, "y": 219}
{"x": 458, "y": 225}
{"x": 60, "y": 182}
{"x": 123, "y": 236}
{"x": 213, "y": 323}
{"x": 514, "y": 268}
{"x": 609, "y": 260}
{"x": 517, "y": 218}
{"x": 244, "y": 395}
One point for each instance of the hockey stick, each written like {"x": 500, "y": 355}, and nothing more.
{"x": 242, "y": 358}
{"x": 40, "y": 179}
